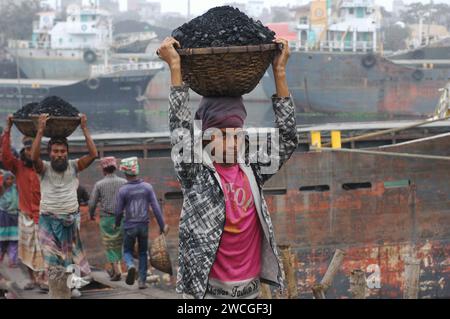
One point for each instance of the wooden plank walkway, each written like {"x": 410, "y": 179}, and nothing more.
{"x": 100, "y": 288}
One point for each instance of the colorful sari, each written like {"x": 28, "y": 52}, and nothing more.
{"x": 9, "y": 214}
{"x": 9, "y": 230}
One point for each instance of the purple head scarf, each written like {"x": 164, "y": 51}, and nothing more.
{"x": 221, "y": 112}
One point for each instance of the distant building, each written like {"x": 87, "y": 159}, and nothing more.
{"x": 110, "y": 5}
{"x": 67, "y": 3}
{"x": 241, "y": 6}
{"x": 430, "y": 33}
{"x": 286, "y": 31}
{"x": 51, "y": 5}
{"x": 339, "y": 25}
{"x": 398, "y": 6}
{"x": 90, "y": 3}
{"x": 281, "y": 14}
{"x": 149, "y": 11}
{"x": 255, "y": 8}
{"x": 301, "y": 14}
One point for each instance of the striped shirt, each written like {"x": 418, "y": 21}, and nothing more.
{"x": 105, "y": 192}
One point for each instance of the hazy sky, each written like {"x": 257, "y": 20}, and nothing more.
{"x": 200, "y": 6}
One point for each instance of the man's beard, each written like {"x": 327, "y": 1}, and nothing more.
{"x": 26, "y": 161}
{"x": 60, "y": 165}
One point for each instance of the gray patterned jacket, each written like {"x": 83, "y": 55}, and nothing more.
{"x": 202, "y": 218}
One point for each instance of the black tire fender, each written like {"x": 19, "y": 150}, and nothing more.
{"x": 89, "y": 56}
{"x": 369, "y": 60}
{"x": 93, "y": 83}
{"x": 418, "y": 75}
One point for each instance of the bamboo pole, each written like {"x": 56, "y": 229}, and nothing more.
{"x": 57, "y": 280}
{"x": 265, "y": 292}
{"x": 358, "y": 284}
{"x": 389, "y": 131}
{"x": 412, "y": 274}
{"x": 289, "y": 263}
{"x": 320, "y": 290}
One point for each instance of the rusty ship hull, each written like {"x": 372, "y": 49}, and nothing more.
{"x": 378, "y": 209}
{"x": 359, "y": 83}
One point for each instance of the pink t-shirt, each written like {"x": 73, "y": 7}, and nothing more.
{"x": 239, "y": 254}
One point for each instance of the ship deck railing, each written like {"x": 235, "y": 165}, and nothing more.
{"x": 128, "y": 38}
{"x": 335, "y": 46}
{"x": 22, "y": 44}
{"x": 99, "y": 70}
{"x": 423, "y": 62}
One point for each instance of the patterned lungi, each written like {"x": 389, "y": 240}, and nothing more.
{"x": 112, "y": 238}
{"x": 61, "y": 242}
{"x": 30, "y": 252}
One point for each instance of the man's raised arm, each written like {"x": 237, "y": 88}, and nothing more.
{"x": 85, "y": 161}
{"x": 8, "y": 159}
{"x": 36, "y": 148}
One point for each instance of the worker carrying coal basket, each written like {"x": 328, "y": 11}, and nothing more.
{"x": 227, "y": 245}
{"x": 59, "y": 231}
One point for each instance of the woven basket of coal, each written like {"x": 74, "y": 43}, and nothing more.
{"x": 25, "y": 126}
{"x": 225, "y": 71}
{"x": 58, "y": 126}
{"x": 63, "y": 117}
{"x": 224, "y": 52}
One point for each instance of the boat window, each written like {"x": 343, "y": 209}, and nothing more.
{"x": 275, "y": 191}
{"x": 315, "y": 188}
{"x": 397, "y": 184}
{"x": 173, "y": 195}
{"x": 355, "y": 186}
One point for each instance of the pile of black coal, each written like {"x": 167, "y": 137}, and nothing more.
{"x": 26, "y": 110}
{"x": 55, "y": 106}
{"x": 221, "y": 27}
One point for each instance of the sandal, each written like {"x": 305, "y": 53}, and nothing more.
{"x": 44, "y": 287}
{"x": 110, "y": 272}
{"x": 30, "y": 286}
{"x": 116, "y": 277}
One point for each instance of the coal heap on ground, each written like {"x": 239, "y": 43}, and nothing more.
{"x": 55, "y": 106}
{"x": 221, "y": 27}
{"x": 25, "y": 111}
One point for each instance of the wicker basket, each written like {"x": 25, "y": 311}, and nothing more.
{"x": 225, "y": 71}
{"x": 58, "y": 126}
{"x": 25, "y": 126}
{"x": 159, "y": 256}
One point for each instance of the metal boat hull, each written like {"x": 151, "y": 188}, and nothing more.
{"x": 378, "y": 209}
{"x": 331, "y": 82}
